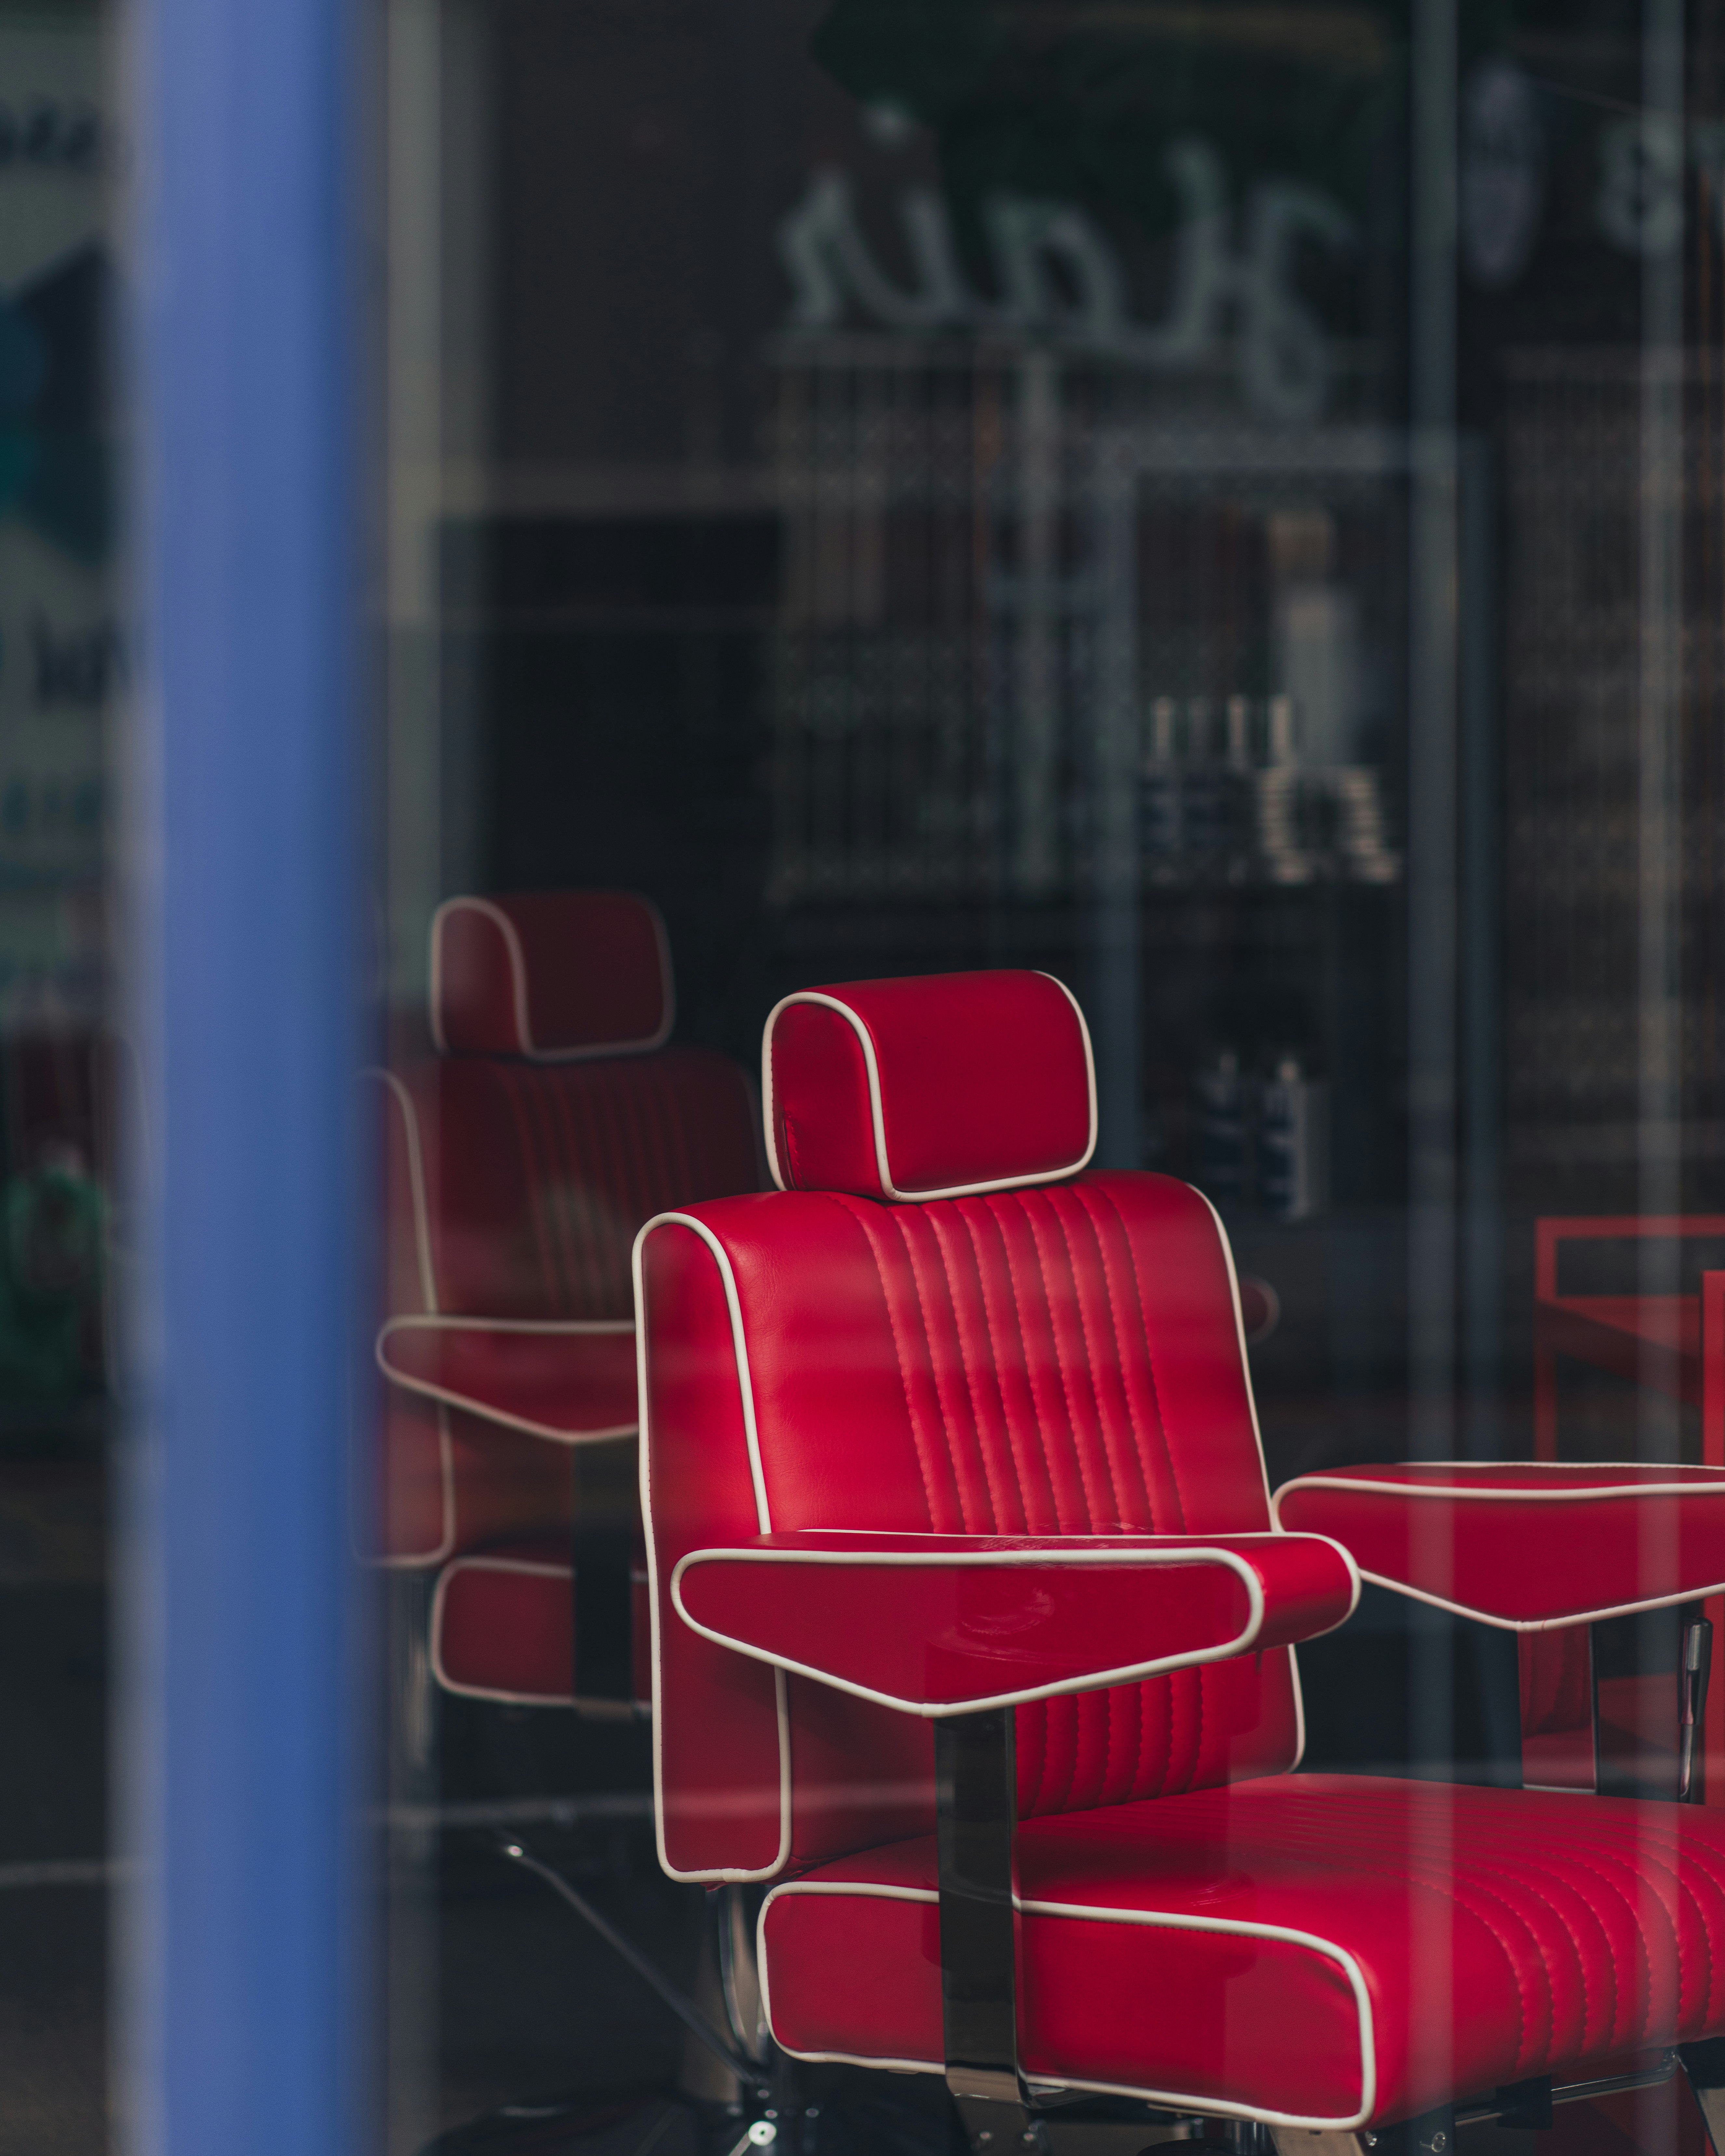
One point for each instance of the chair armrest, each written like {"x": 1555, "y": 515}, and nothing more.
{"x": 1527, "y": 1546}
{"x": 938, "y": 1624}
{"x": 571, "y": 1382}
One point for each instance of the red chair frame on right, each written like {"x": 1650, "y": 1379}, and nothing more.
{"x": 1660, "y": 1341}
{"x": 1674, "y": 1344}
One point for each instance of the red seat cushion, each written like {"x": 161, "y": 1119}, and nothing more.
{"x": 1523, "y": 1543}
{"x": 1449, "y": 1940}
{"x": 503, "y": 1623}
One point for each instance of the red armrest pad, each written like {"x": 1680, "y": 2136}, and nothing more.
{"x": 949, "y": 1623}
{"x": 574, "y": 1384}
{"x": 1523, "y": 1545}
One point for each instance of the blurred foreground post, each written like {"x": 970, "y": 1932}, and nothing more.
{"x": 244, "y": 1995}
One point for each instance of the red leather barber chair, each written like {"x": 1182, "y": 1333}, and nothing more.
{"x": 553, "y": 1121}
{"x": 973, "y": 1643}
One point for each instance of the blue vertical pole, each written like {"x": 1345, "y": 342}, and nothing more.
{"x": 245, "y": 1988}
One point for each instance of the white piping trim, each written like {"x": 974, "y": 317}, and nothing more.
{"x": 1540, "y": 1623}
{"x": 529, "y": 1569}
{"x": 763, "y": 1520}
{"x": 1300, "y": 1703}
{"x": 877, "y": 1114}
{"x": 1245, "y": 1368}
{"x": 434, "y": 1321}
{"x": 1157, "y": 1920}
{"x": 1605, "y": 1493}
{"x": 416, "y": 1185}
{"x": 518, "y": 982}
{"x": 739, "y": 1346}
{"x": 571, "y": 1326}
{"x": 403, "y": 1100}
{"x": 1127, "y": 1673}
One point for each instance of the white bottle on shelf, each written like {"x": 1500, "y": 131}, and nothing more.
{"x": 1293, "y": 1151}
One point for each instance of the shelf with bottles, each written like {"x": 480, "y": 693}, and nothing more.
{"x": 1226, "y": 799}
{"x": 1271, "y": 1016}
{"x": 1261, "y": 1139}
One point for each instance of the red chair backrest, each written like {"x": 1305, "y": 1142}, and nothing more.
{"x": 1034, "y": 1350}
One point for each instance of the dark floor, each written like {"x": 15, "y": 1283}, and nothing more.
{"x": 54, "y": 2082}
{"x": 529, "y": 2002}
{"x": 54, "y": 1910}
{"x": 499, "y": 1991}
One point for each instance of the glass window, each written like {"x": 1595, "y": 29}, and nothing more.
{"x": 1219, "y": 506}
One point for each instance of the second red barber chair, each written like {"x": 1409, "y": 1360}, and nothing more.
{"x": 554, "y": 1120}
{"x": 973, "y": 1641}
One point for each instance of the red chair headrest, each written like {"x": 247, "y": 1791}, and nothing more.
{"x": 554, "y": 976}
{"x": 936, "y": 1087}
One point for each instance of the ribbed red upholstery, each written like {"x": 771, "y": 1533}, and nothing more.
{"x": 1062, "y": 1360}
{"x": 541, "y": 1174}
{"x": 1547, "y": 1932}
{"x": 1024, "y": 1348}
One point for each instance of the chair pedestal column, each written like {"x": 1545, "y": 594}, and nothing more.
{"x": 976, "y": 1779}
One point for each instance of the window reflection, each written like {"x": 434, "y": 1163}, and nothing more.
{"x": 1218, "y": 505}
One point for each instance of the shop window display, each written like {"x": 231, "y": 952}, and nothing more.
{"x": 1217, "y": 508}
{"x": 1044, "y": 1411}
